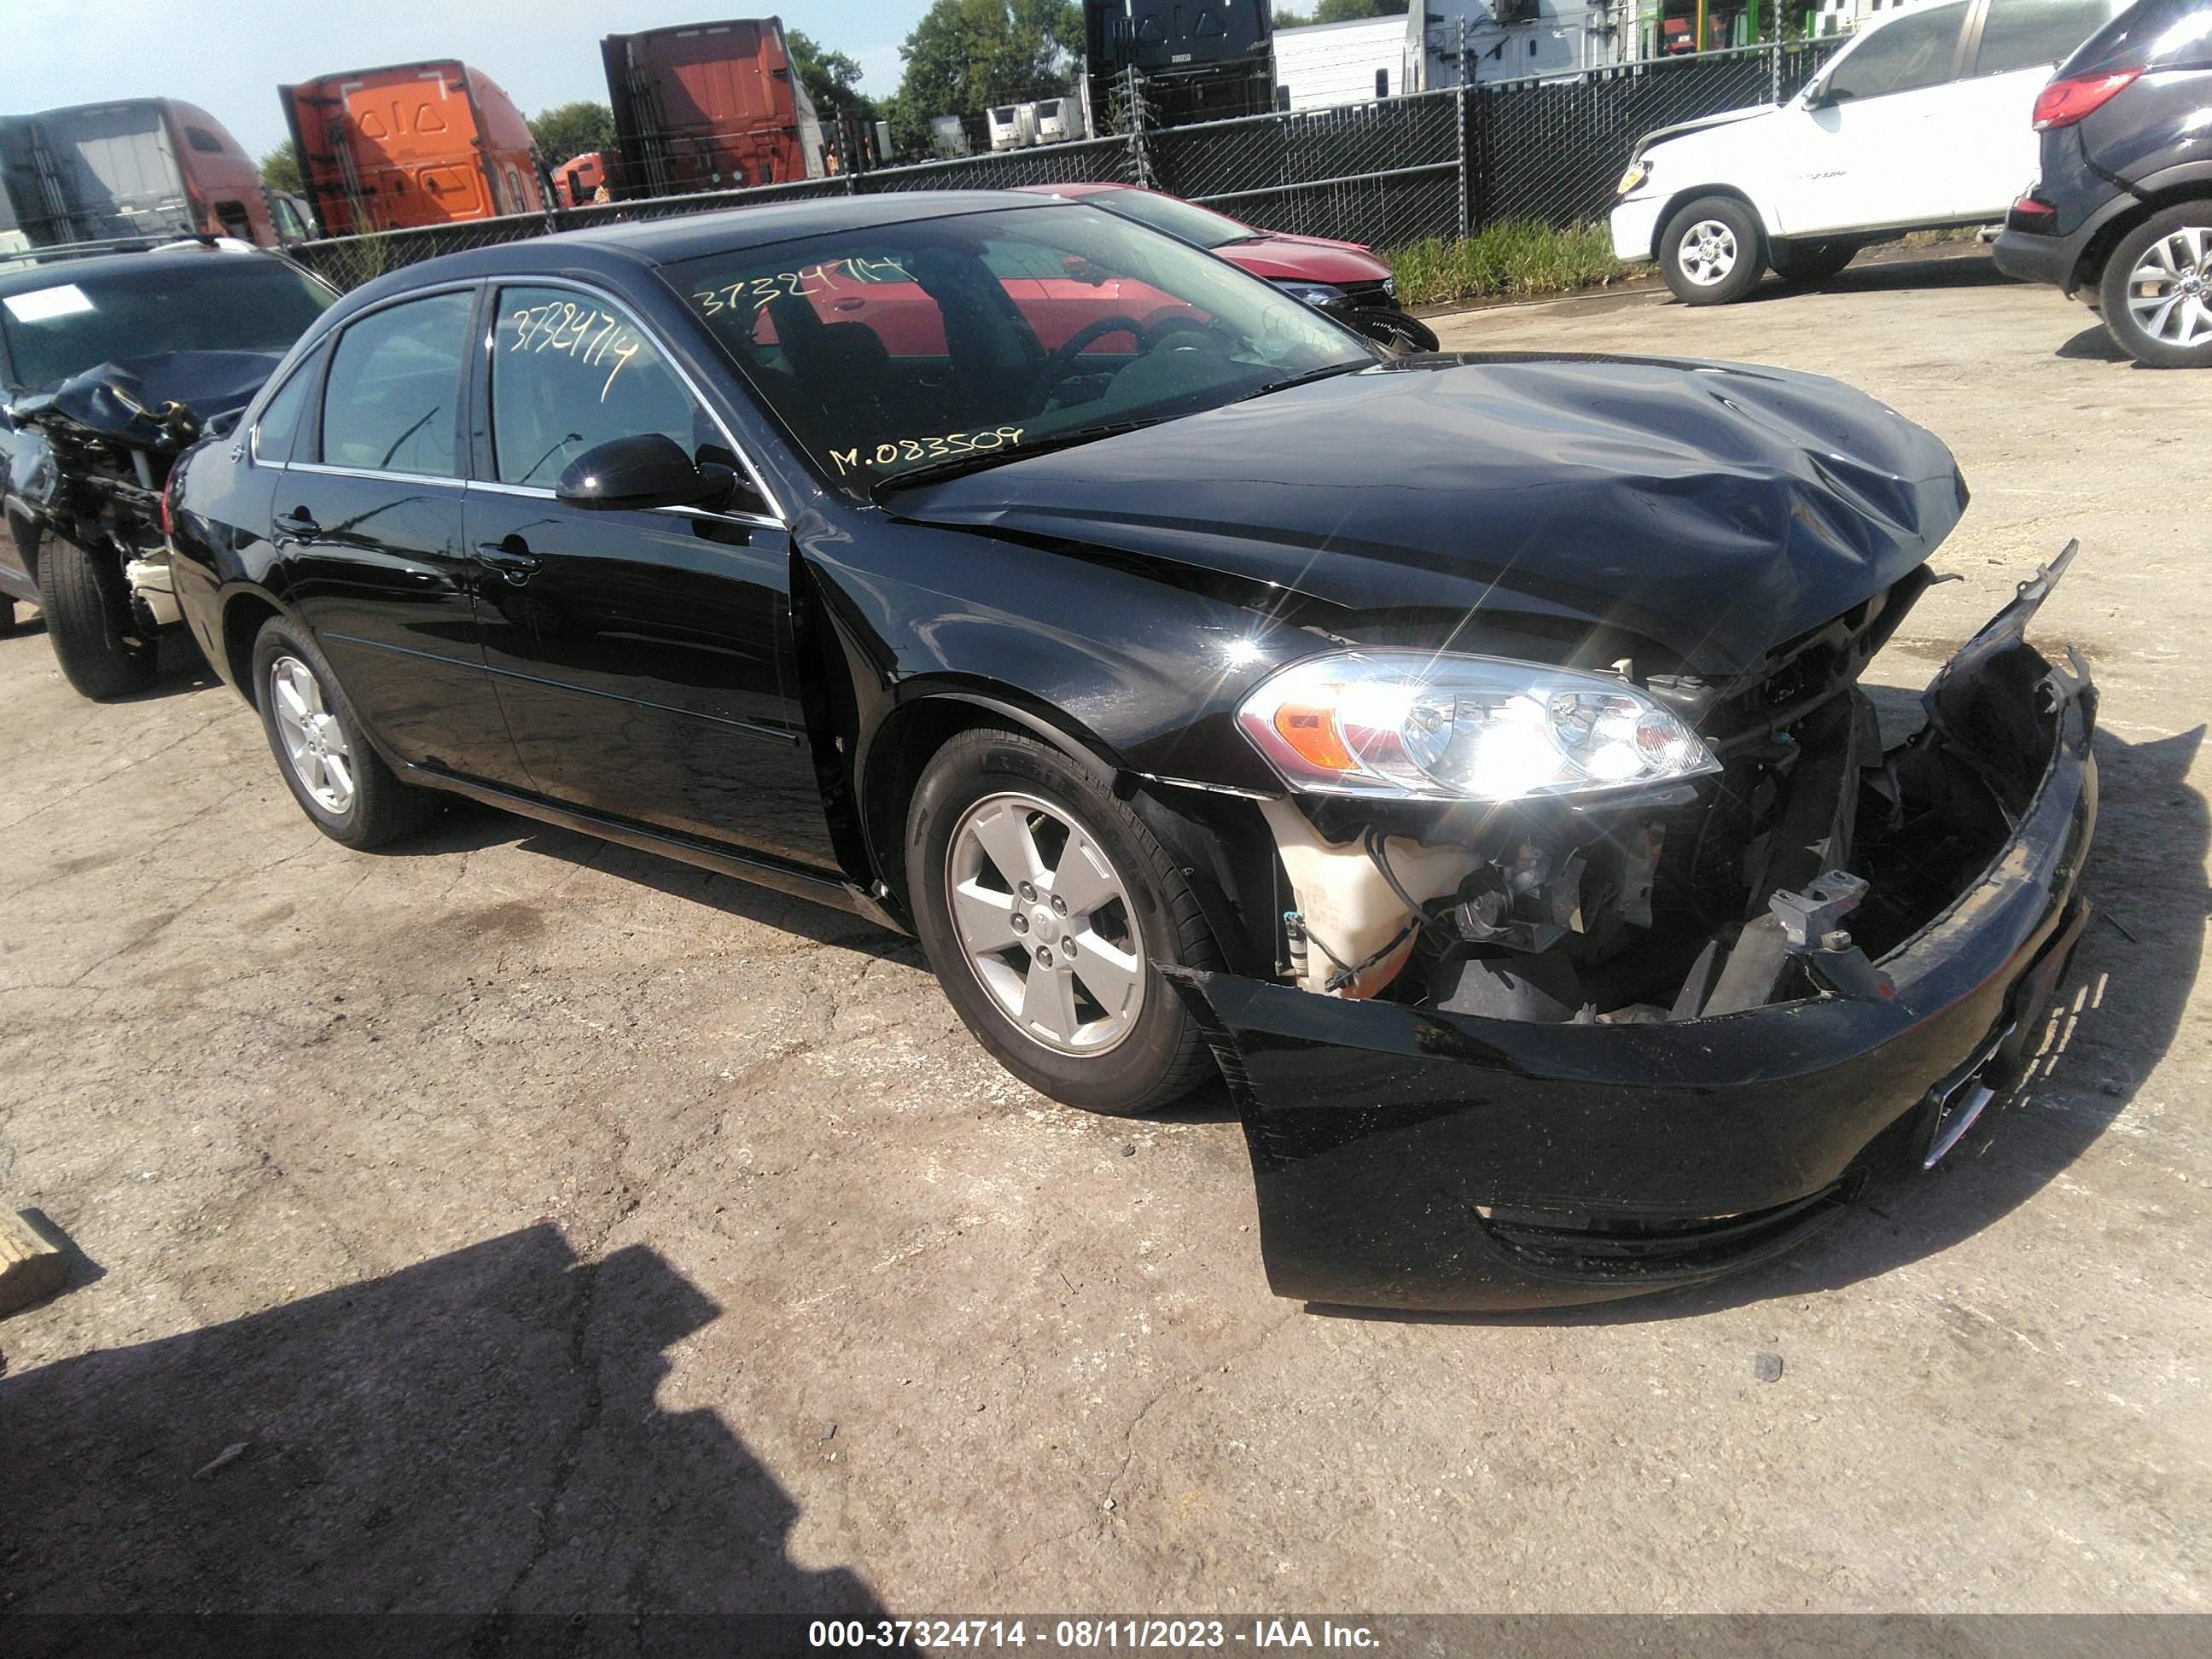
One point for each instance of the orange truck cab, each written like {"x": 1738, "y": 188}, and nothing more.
{"x": 415, "y": 144}
{"x": 135, "y": 168}
{"x": 577, "y": 180}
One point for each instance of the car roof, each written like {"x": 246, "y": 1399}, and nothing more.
{"x": 629, "y": 243}
{"x": 53, "y": 273}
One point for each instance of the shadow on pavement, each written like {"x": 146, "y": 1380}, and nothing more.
{"x": 2093, "y": 345}
{"x": 472, "y": 1437}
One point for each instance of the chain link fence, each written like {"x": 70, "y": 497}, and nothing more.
{"x": 1381, "y": 172}
{"x": 1392, "y": 172}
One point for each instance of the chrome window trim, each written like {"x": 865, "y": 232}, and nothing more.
{"x": 538, "y": 492}
{"x": 465, "y": 285}
{"x": 369, "y": 473}
{"x": 599, "y": 295}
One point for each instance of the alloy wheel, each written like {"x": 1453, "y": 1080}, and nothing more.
{"x": 2170, "y": 289}
{"x": 1046, "y": 924}
{"x": 314, "y": 743}
{"x": 1707, "y": 252}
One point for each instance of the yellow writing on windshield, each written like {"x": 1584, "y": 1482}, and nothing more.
{"x": 585, "y": 334}
{"x": 796, "y": 285}
{"x": 900, "y": 452}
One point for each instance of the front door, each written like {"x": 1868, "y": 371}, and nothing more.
{"x": 367, "y": 520}
{"x": 644, "y": 658}
{"x": 1868, "y": 149}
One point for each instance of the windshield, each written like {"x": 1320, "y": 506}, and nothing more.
{"x": 229, "y": 302}
{"x": 1199, "y": 227}
{"x": 942, "y": 343}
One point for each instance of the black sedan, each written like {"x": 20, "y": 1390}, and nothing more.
{"x": 1463, "y": 757}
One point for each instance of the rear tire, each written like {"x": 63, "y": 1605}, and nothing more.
{"x": 88, "y": 619}
{"x": 1712, "y": 251}
{"x": 322, "y": 753}
{"x": 7, "y": 616}
{"x": 1806, "y": 264}
{"x": 2157, "y": 288}
{"x": 1052, "y": 966}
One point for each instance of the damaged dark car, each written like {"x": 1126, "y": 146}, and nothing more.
{"x": 112, "y": 363}
{"x": 1462, "y": 756}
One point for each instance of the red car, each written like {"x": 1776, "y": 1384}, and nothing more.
{"x": 1342, "y": 278}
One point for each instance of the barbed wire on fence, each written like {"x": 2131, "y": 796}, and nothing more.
{"x": 1393, "y": 170}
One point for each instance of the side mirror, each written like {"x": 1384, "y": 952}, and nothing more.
{"x": 1080, "y": 270}
{"x": 647, "y": 471}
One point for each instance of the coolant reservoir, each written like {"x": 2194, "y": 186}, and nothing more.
{"x": 1349, "y": 910}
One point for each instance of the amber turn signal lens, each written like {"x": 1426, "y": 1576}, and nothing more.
{"x": 1312, "y": 733}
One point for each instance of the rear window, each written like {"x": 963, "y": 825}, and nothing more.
{"x": 2155, "y": 35}
{"x": 229, "y": 302}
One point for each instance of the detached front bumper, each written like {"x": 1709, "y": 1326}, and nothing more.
{"x": 1409, "y": 1157}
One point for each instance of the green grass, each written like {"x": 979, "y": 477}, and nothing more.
{"x": 1513, "y": 259}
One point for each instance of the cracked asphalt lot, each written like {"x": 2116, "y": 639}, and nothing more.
{"x": 558, "y": 1229}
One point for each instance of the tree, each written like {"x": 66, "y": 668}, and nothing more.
{"x": 832, "y": 79}
{"x": 967, "y": 55}
{"x": 568, "y": 130}
{"x": 280, "y": 169}
{"x": 1292, "y": 20}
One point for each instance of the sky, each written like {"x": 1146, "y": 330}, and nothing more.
{"x": 229, "y": 55}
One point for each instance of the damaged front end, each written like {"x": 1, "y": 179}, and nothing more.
{"x": 1548, "y": 1051}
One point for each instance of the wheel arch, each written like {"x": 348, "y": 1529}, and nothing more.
{"x": 1683, "y": 198}
{"x": 1219, "y": 842}
{"x": 245, "y": 612}
{"x": 2169, "y": 189}
{"x": 927, "y": 716}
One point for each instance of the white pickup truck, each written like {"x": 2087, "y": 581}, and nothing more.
{"x": 1922, "y": 121}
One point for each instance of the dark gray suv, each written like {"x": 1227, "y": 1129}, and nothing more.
{"x": 2123, "y": 212}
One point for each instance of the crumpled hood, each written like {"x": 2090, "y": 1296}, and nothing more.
{"x": 1715, "y": 509}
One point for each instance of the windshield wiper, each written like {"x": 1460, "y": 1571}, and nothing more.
{"x": 1328, "y": 372}
{"x": 952, "y": 466}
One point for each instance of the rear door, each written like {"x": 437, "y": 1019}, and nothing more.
{"x": 1993, "y": 149}
{"x": 1868, "y": 151}
{"x": 367, "y": 519}
{"x": 644, "y": 659}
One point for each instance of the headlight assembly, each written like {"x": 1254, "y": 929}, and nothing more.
{"x": 1411, "y": 724}
{"x": 1313, "y": 294}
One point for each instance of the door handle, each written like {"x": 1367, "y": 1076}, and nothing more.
{"x": 511, "y": 558}
{"x": 299, "y": 524}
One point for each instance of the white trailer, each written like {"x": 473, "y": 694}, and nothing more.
{"x": 1325, "y": 65}
{"x": 1055, "y": 120}
{"x": 1006, "y": 126}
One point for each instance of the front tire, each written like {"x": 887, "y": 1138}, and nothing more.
{"x": 1712, "y": 251}
{"x": 1044, "y": 904}
{"x": 2157, "y": 288}
{"x": 7, "y": 617}
{"x": 339, "y": 781}
{"x": 1808, "y": 263}
{"x": 88, "y": 619}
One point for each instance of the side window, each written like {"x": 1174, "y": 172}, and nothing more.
{"x": 2019, "y": 34}
{"x": 388, "y": 405}
{"x": 280, "y": 420}
{"x": 569, "y": 373}
{"x": 1915, "y": 51}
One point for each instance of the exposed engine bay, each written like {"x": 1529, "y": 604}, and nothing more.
{"x": 1808, "y": 855}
